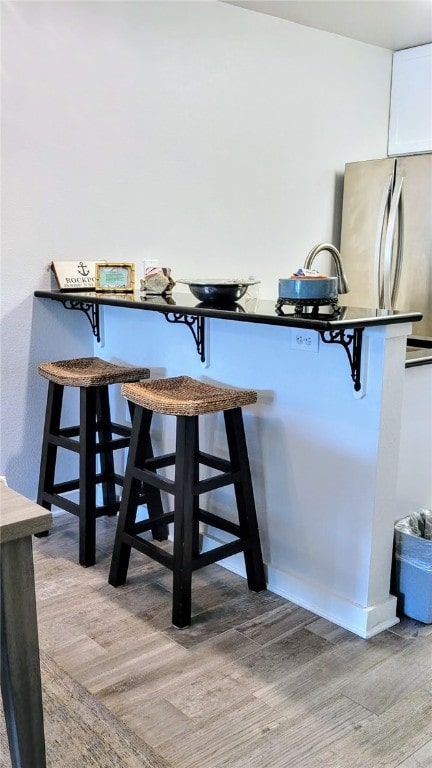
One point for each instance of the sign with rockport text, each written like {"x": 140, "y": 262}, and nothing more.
{"x": 75, "y": 275}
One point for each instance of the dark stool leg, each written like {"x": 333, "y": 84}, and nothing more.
{"x": 149, "y": 495}
{"x": 195, "y": 531}
{"x": 87, "y": 477}
{"x": 183, "y": 520}
{"x": 131, "y": 498}
{"x": 106, "y": 455}
{"x": 49, "y": 449}
{"x": 245, "y": 498}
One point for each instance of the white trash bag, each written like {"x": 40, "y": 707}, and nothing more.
{"x": 413, "y": 565}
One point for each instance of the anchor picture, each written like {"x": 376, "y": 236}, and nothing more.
{"x": 83, "y": 270}
{"x": 75, "y": 275}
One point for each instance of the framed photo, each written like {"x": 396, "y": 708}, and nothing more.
{"x": 114, "y": 277}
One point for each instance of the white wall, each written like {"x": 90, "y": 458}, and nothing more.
{"x": 415, "y": 463}
{"x": 205, "y": 135}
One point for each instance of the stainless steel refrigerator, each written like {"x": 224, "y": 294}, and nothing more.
{"x": 386, "y": 236}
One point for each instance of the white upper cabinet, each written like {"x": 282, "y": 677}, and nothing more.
{"x": 410, "y": 127}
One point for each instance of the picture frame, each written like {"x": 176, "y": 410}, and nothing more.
{"x": 74, "y": 275}
{"x": 115, "y": 277}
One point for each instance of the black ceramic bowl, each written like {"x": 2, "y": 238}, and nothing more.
{"x": 223, "y": 305}
{"x": 215, "y": 291}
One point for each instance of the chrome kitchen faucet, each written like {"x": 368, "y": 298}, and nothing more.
{"x": 334, "y": 253}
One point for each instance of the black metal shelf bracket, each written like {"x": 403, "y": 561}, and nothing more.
{"x": 352, "y": 344}
{"x": 91, "y": 310}
{"x": 196, "y": 325}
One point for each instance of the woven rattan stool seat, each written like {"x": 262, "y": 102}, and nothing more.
{"x": 90, "y": 372}
{"x": 183, "y": 396}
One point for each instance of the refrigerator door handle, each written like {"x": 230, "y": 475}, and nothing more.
{"x": 400, "y": 249}
{"x": 378, "y": 253}
{"x": 389, "y": 245}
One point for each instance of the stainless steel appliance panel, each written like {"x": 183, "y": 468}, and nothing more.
{"x": 386, "y": 236}
{"x": 415, "y": 290}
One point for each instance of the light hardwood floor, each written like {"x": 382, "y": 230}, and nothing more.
{"x": 256, "y": 682}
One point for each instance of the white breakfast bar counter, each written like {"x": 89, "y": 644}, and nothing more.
{"x": 323, "y": 437}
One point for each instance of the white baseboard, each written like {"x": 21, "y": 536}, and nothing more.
{"x": 362, "y": 621}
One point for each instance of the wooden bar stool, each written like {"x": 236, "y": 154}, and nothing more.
{"x": 187, "y": 399}
{"x": 91, "y": 438}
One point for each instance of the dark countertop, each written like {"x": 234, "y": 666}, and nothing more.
{"x": 246, "y": 310}
{"x": 419, "y": 351}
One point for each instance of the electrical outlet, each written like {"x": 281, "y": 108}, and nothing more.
{"x": 307, "y": 341}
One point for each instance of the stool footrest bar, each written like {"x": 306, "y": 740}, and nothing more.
{"x": 73, "y": 485}
{"x": 219, "y": 522}
{"x": 167, "y": 559}
{"x": 120, "y": 429}
{"x": 147, "y": 548}
{"x": 61, "y": 502}
{"x": 68, "y": 485}
{"x": 63, "y": 442}
{"x": 145, "y": 525}
{"x": 69, "y": 431}
{"x": 74, "y": 509}
{"x": 158, "y": 462}
{"x": 117, "y": 429}
{"x": 70, "y": 444}
{"x": 156, "y": 481}
{"x": 203, "y": 486}
{"x": 215, "y": 462}
{"x": 219, "y": 553}
{"x": 219, "y": 481}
